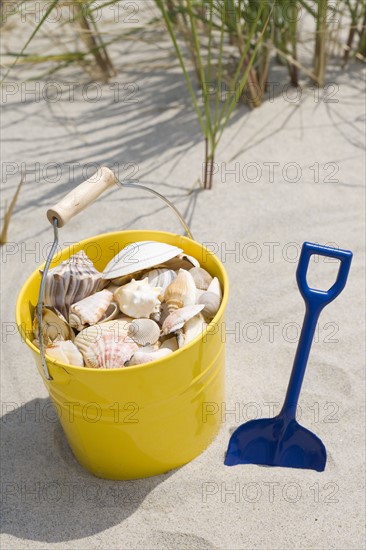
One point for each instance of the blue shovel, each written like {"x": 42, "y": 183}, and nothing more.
{"x": 281, "y": 441}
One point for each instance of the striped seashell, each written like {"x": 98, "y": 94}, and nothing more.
{"x": 71, "y": 281}
{"x": 181, "y": 292}
{"x": 201, "y": 277}
{"x": 144, "y": 331}
{"x": 161, "y": 277}
{"x": 138, "y": 256}
{"x": 92, "y": 309}
{"x": 179, "y": 317}
{"x": 108, "y": 352}
{"x": 66, "y": 352}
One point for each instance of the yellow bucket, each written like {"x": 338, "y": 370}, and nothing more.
{"x": 144, "y": 420}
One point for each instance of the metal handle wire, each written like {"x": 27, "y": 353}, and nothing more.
{"x": 52, "y": 253}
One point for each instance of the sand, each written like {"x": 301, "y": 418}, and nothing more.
{"x": 288, "y": 172}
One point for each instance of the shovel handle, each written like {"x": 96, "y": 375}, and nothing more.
{"x": 80, "y": 197}
{"x": 314, "y": 296}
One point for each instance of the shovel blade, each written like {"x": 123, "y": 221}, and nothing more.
{"x": 272, "y": 442}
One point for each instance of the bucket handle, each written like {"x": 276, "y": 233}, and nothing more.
{"x": 74, "y": 202}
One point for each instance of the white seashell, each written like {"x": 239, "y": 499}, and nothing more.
{"x": 54, "y": 326}
{"x": 182, "y": 261}
{"x": 199, "y": 293}
{"x": 71, "y": 281}
{"x": 161, "y": 277}
{"x": 144, "y": 331}
{"x": 118, "y": 327}
{"x": 181, "y": 292}
{"x": 170, "y": 343}
{"x": 108, "y": 352}
{"x": 138, "y": 298}
{"x": 90, "y": 310}
{"x": 139, "y": 255}
{"x": 201, "y": 277}
{"x": 194, "y": 327}
{"x": 211, "y": 299}
{"x": 179, "y": 317}
{"x": 148, "y": 354}
{"x": 65, "y": 352}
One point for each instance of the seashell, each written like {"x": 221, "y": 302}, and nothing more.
{"x": 66, "y": 352}
{"x": 181, "y": 292}
{"x": 54, "y": 326}
{"x": 201, "y": 277}
{"x": 194, "y": 327}
{"x": 182, "y": 261}
{"x": 138, "y": 256}
{"x": 120, "y": 281}
{"x": 199, "y": 293}
{"x": 179, "y": 317}
{"x": 107, "y": 352}
{"x": 170, "y": 343}
{"x": 147, "y": 354}
{"x": 161, "y": 277}
{"x": 144, "y": 331}
{"x": 118, "y": 327}
{"x": 211, "y": 299}
{"x": 90, "y": 310}
{"x": 138, "y": 298}
{"x": 71, "y": 281}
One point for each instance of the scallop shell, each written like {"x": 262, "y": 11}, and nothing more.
{"x": 161, "y": 277}
{"x": 181, "y": 292}
{"x": 148, "y": 354}
{"x": 201, "y": 277}
{"x": 118, "y": 327}
{"x": 138, "y": 298}
{"x": 71, "y": 281}
{"x": 65, "y": 351}
{"x": 108, "y": 352}
{"x": 194, "y": 327}
{"x": 179, "y": 317}
{"x": 211, "y": 299}
{"x": 144, "y": 331}
{"x": 90, "y": 310}
{"x": 54, "y": 326}
{"x": 139, "y": 255}
{"x": 182, "y": 261}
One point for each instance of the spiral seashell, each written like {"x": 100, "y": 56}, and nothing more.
{"x": 54, "y": 327}
{"x": 147, "y": 354}
{"x": 71, "y": 281}
{"x": 181, "y": 261}
{"x": 161, "y": 277}
{"x": 179, "y": 317}
{"x": 144, "y": 331}
{"x": 107, "y": 352}
{"x": 66, "y": 352}
{"x": 90, "y": 335}
{"x": 138, "y": 256}
{"x": 181, "y": 292}
{"x": 90, "y": 310}
{"x": 211, "y": 299}
{"x": 138, "y": 299}
{"x": 201, "y": 277}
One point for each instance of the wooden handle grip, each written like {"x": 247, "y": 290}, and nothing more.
{"x": 80, "y": 197}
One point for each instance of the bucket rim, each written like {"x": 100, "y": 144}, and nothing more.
{"x": 79, "y": 246}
